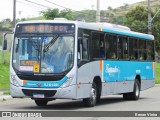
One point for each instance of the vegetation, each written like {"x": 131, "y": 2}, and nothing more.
{"x": 53, "y": 13}
{"x": 6, "y": 92}
{"x": 137, "y": 20}
{"x": 158, "y": 73}
{"x": 4, "y": 71}
{"x": 1, "y": 38}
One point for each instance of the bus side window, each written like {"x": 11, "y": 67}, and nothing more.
{"x": 122, "y": 47}
{"x": 85, "y": 48}
{"x": 98, "y": 45}
{"x": 142, "y": 50}
{"x": 133, "y": 48}
{"x": 150, "y": 51}
{"x": 82, "y": 49}
{"x": 111, "y": 46}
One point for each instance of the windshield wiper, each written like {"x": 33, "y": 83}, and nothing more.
{"x": 50, "y": 43}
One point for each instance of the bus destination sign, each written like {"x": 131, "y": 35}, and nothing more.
{"x": 45, "y": 28}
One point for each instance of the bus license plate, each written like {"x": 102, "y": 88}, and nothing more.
{"x": 38, "y": 95}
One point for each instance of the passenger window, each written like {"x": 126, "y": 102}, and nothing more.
{"x": 111, "y": 46}
{"x": 133, "y": 48}
{"x": 98, "y": 45}
{"x": 85, "y": 48}
{"x": 83, "y": 44}
{"x": 150, "y": 50}
{"x": 122, "y": 47}
{"x": 142, "y": 50}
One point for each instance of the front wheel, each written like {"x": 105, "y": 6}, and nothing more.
{"x": 41, "y": 102}
{"x": 91, "y": 102}
{"x": 135, "y": 94}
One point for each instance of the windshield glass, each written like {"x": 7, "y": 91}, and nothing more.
{"x": 43, "y": 54}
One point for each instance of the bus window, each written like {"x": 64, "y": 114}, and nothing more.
{"x": 122, "y": 47}
{"x": 111, "y": 46}
{"x": 142, "y": 50}
{"x": 133, "y": 48}
{"x": 150, "y": 50}
{"x": 85, "y": 48}
{"x": 83, "y": 44}
{"x": 98, "y": 45}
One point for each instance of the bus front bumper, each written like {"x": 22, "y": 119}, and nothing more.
{"x": 55, "y": 93}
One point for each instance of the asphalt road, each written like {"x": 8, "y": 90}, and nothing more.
{"x": 149, "y": 101}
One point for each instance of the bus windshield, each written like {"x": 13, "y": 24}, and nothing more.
{"x": 42, "y": 53}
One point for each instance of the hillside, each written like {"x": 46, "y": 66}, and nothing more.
{"x": 122, "y": 10}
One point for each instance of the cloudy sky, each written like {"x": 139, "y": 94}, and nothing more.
{"x": 28, "y": 9}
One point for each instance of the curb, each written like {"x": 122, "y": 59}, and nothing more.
{"x": 5, "y": 97}
{"x": 157, "y": 85}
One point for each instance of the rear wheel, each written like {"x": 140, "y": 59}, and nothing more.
{"x": 41, "y": 102}
{"x": 91, "y": 102}
{"x": 135, "y": 94}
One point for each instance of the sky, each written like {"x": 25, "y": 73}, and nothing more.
{"x": 26, "y": 10}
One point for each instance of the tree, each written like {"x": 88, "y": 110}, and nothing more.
{"x": 50, "y": 14}
{"x": 137, "y": 20}
{"x": 110, "y": 8}
{"x": 66, "y": 13}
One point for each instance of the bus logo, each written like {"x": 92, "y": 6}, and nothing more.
{"x": 111, "y": 70}
{"x": 39, "y": 84}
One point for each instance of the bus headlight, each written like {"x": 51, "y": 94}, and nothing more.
{"x": 14, "y": 81}
{"x": 68, "y": 82}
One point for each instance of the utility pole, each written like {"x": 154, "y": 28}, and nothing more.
{"x": 149, "y": 19}
{"x": 14, "y": 13}
{"x": 92, "y": 7}
{"x": 98, "y": 11}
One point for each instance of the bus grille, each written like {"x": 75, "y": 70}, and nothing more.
{"x": 47, "y": 93}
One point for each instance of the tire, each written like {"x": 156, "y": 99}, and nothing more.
{"x": 41, "y": 102}
{"x": 135, "y": 94}
{"x": 91, "y": 102}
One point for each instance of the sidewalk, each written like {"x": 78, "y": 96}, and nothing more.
{"x": 4, "y": 97}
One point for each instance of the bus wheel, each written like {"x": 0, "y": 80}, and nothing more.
{"x": 135, "y": 94}
{"x": 91, "y": 102}
{"x": 41, "y": 102}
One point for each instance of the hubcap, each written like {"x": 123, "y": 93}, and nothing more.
{"x": 93, "y": 94}
{"x": 137, "y": 90}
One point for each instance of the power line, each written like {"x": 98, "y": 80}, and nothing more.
{"x": 67, "y": 7}
{"x": 58, "y": 5}
{"x": 29, "y": 5}
{"x": 37, "y": 4}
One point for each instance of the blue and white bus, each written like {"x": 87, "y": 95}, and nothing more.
{"x": 62, "y": 59}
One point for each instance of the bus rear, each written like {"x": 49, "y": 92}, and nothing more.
{"x": 42, "y": 61}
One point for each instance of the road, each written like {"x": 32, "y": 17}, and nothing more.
{"x": 149, "y": 101}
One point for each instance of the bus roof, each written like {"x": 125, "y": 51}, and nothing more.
{"x": 104, "y": 27}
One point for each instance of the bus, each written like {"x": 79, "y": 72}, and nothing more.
{"x": 63, "y": 59}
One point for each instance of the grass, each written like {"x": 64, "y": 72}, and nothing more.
{"x": 4, "y": 70}
{"x": 6, "y": 93}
